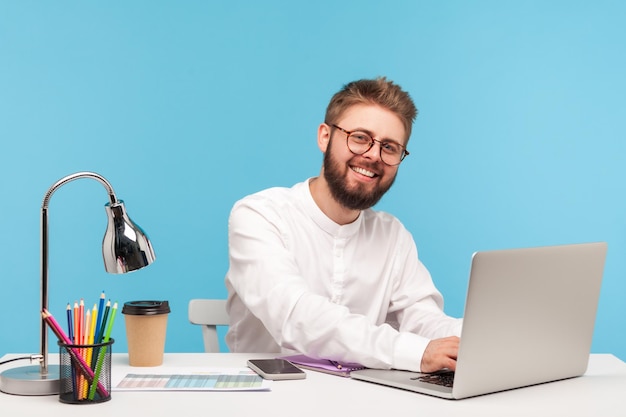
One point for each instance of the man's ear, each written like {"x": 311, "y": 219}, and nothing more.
{"x": 323, "y": 137}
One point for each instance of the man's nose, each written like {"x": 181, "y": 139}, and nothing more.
{"x": 374, "y": 151}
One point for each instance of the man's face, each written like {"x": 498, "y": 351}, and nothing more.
{"x": 359, "y": 181}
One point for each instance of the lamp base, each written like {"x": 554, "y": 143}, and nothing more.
{"x": 28, "y": 380}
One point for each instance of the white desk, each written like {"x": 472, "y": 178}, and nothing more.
{"x": 601, "y": 391}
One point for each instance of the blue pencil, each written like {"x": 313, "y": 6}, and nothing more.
{"x": 100, "y": 334}
{"x": 98, "y": 320}
{"x": 70, "y": 329}
{"x": 70, "y": 323}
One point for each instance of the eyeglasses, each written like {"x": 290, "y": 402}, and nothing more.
{"x": 391, "y": 153}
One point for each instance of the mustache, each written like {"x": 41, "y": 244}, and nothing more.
{"x": 376, "y": 167}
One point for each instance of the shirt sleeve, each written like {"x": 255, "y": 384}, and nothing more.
{"x": 417, "y": 303}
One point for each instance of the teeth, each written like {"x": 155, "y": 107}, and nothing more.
{"x": 363, "y": 172}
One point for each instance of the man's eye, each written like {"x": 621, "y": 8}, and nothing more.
{"x": 390, "y": 147}
{"x": 360, "y": 137}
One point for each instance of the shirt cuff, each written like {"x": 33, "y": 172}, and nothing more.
{"x": 408, "y": 351}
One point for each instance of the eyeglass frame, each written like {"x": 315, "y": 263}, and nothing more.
{"x": 405, "y": 153}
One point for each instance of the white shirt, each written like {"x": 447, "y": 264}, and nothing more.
{"x": 299, "y": 282}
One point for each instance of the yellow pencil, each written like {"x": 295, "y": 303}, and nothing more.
{"x": 94, "y": 325}
{"x": 89, "y": 331}
{"x": 84, "y": 387}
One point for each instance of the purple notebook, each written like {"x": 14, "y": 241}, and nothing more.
{"x": 323, "y": 365}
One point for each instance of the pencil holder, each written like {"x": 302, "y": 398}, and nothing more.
{"x": 85, "y": 373}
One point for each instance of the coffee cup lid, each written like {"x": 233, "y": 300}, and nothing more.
{"x": 145, "y": 308}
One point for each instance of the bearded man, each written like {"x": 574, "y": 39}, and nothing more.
{"x": 314, "y": 270}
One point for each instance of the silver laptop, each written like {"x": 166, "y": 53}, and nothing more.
{"x": 529, "y": 319}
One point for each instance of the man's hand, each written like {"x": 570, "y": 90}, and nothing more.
{"x": 440, "y": 353}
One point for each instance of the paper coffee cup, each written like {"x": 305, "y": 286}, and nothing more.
{"x": 146, "y": 325}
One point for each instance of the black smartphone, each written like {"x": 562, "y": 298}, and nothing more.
{"x": 276, "y": 369}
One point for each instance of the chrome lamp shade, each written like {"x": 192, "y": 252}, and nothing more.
{"x": 125, "y": 248}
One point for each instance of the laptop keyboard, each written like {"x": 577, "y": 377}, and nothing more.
{"x": 444, "y": 378}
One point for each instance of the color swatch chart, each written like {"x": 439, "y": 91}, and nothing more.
{"x": 200, "y": 381}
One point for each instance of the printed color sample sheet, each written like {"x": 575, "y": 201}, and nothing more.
{"x": 186, "y": 380}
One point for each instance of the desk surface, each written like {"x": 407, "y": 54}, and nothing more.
{"x": 601, "y": 391}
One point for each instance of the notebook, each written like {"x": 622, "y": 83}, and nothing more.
{"x": 323, "y": 365}
{"x": 529, "y": 319}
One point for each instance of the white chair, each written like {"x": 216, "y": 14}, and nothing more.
{"x": 209, "y": 314}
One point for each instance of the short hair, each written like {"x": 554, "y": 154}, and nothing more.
{"x": 379, "y": 91}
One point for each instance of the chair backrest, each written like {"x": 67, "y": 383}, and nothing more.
{"x": 209, "y": 314}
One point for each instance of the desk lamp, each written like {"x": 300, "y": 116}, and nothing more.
{"x": 125, "y": 248}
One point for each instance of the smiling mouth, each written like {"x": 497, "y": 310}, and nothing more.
{"x": 363, "y": 171}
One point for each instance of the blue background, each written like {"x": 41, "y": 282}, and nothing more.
{"x": 187, "y": 106}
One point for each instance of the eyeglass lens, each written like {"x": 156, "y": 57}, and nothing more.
{"x": 390, "y": 152}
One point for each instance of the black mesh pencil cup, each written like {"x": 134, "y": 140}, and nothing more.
{"x": 85, "y": 372}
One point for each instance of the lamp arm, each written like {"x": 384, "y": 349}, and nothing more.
{"x": 44, "y": 251}
{"x": 75, "y": 176}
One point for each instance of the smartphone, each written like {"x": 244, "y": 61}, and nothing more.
{"x": 276, "y": 369}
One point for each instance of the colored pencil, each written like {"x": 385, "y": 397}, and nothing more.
{"x": 100, "y": 334}
{"x": 81, "y": 321}
{"x": 70, "y": 329}
{"x": 107, "y": 336}
{"x": 77, "y": 359}
{"x": 70, "y": 321}
{"x": 79, "y": 341}
{"x": 92, "y": 327}
{"x": 99, "y": 318}
{"x": 102, "y": 352}
{"x": 87, "y": 327}
{"x": 73, "y": 335}
{"x": 84, "y": 387}
{"x": 90, "y": 334}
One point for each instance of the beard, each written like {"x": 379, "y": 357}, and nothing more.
{"x": 354, "y": 198}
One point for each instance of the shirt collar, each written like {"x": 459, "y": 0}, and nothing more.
{"x": 323, "y": 221}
